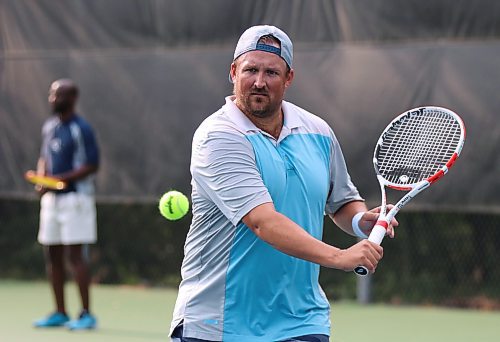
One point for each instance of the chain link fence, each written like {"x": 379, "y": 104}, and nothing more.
{"x": 445, "y": 258}
{"x": 436, "y": 258}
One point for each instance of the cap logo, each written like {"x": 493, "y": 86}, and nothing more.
{"x": 268, "y": 48}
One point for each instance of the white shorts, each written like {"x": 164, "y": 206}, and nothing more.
{"x": 67, "y": 219}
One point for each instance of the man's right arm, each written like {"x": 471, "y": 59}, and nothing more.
{"x": 223, "y": 165}
{"x": 289, "y": 238}
{"x": 40, "y": 170}
{"x": 40, "y": 167}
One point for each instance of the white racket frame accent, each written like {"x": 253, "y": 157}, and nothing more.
{"x": 380, "y": 229}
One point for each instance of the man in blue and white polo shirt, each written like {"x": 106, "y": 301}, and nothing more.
{"x": 68, "y": 217}
{"x": 264, "y": 173}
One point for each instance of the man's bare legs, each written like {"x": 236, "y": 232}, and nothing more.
{"x": 81, "y": 273}
{"x": 56, "y": 274}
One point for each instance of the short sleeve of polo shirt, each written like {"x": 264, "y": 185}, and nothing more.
{"x": 91, "y": 149}
{"x": 342, "y": 190}
{"x": 224, "y": 170}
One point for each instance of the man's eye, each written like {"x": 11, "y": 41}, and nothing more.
{"x": 272, "y": 72}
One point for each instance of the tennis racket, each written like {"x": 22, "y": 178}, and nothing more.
{"x": 44, "y": 181}
{"x": 416, "y": 149}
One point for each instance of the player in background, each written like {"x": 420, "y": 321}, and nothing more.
{"x": 68, "y": 217}
{"x": 264, "y": 173}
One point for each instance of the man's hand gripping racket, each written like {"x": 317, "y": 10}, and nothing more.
{"x": 416, "y": 149}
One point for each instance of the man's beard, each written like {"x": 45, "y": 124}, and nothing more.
{"x": 59, "y": 108}
{"x": 260, "y": 108}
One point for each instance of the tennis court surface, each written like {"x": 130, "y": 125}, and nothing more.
{"x": 143, "y": 314}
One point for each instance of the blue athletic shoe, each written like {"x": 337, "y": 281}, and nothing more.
{"x": 84, "y": 322}
{"x": 57, "y": 319}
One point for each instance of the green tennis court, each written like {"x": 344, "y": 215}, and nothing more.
{"x": 143, "y": 314}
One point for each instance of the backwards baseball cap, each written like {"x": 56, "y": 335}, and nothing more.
{"x": 249, "y": 41}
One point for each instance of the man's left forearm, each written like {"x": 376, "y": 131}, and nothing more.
{"x": 78, "y": 174}
{"x": 343, "y": 216}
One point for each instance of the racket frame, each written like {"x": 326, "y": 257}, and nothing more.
{"x": 380, "y": 229}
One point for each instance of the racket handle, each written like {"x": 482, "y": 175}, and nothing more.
{"x": 378, "y": 232}
{"x": 376, "y": 236}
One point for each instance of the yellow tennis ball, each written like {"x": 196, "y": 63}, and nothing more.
{"x": 173, "y": 205}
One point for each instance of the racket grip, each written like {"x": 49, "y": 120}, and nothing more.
{"x": 376, "y": 236}
{"x": 378, "y": 232}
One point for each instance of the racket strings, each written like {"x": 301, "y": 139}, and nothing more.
{"x": 430, "y": 150}
{"x": 417, "y": 146}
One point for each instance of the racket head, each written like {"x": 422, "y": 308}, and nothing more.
{"x": 45, "y": 181}
{"x": 419, "y": 145}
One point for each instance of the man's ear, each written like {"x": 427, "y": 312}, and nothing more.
{"x": 291, "y": 75}
{"x": 232, "y": 71}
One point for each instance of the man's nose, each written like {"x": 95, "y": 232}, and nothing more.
{"x": 260, "y": 81}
